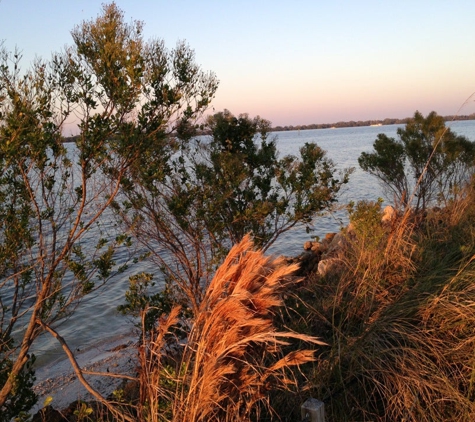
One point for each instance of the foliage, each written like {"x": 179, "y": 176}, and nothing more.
{"x": 427, "y": 163}
{"x": 22, "y": 397}
{"x": 365, "y": 219}
{"x": 126, "y": 96}
{"x": 254, "y": 191}
{"x": 83, "y": 412}
{"x": 142, "y": 301}
{"x": 219, "y": 188}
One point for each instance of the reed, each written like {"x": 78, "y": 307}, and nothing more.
{"x": 233, "y": 355}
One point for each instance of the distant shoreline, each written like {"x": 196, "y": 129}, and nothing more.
{"x": 352, "y": 123}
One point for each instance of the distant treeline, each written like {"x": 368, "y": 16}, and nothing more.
{"x": 352, "y": 123}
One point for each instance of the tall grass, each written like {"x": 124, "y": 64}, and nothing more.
{"x": 233, "y": 354}
{"x": 400, "y": 319}
{"x": 397, "y": 323}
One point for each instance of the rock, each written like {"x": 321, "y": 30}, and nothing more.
{"x": 319, "y": 248}
{"x": 329, "y": 265}
{"x": 389, "y": 214}
{"x": 311, "y": 259}
{"x": 336, "y": 244}
{"x": 306, "y": 256}
{"x": 307, "y": 260}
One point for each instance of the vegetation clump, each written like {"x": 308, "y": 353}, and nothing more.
{"x": 216, "y": 190}
{"x": 427, "y": 163}
{"x": 398, "y": 319}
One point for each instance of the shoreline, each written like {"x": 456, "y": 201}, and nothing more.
{"x": 58, "y": 380}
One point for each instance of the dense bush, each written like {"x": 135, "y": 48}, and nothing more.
{"x": 427, "y": 163}
{"x": 217, "y": 189}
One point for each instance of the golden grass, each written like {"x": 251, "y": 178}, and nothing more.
{"x": 400, "y": 322}
{"x": 155, "y": 397}
{"x": 233, "y": 356}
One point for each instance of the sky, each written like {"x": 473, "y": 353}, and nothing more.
{"x": 294, "y": 62}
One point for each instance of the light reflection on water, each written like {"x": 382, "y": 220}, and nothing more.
{"x": 97, "y": 319}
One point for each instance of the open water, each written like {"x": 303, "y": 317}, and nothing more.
{"x": 96, "y": 320}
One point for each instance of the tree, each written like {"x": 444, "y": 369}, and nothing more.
{"x": 428, "y": 162}
{"x": 219, "y": 188}
{"x": 127, "y": 95}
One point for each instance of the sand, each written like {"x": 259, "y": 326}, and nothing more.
{"x": 58, "y": 380}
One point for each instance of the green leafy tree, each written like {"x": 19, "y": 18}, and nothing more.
{"x": 427, "y": 162}
{"x": 219, "y": 188}
{"x": 126, "y": 96}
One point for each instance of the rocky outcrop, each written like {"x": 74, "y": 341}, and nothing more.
{"x": 325, "y": 257}
{"x": 329, "y": 266}
{"x": 320, "y": 256}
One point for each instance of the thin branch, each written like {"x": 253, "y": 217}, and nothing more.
{"x": 80, "y": 373}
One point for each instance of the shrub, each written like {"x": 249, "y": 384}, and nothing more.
{"x": 427, "y": 163}
{"x": 217, "y": 190}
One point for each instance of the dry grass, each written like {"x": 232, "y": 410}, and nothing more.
{"x": 378, "y": 263}
{"x": 400, "y": 322}
{"x": 156, "y": 382}
{"x": 233, "y": 357}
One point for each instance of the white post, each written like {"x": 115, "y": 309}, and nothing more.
{"x": 313, "y": 410}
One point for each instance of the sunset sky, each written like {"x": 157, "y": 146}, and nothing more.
{"x": 294, "y": 62}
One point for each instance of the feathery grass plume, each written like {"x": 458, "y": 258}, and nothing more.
{"x": 156, "y": 380}
{"x": 232, "y": 354}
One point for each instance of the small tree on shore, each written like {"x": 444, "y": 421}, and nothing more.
{"x": 220, "y": 188}
{"x": 428, "y": 162}
{"x": 126, "y": 95}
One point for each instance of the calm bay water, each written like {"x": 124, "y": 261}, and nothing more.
{"x": 96, "y": 320}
